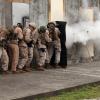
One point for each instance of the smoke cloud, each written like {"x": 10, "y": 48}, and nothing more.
{"x": 82, "y": 32}
{"x": 85, "y": 3}
{"x": 85, "y": 30}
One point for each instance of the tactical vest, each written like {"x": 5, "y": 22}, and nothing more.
{"x": 12, "y": 38}
{"x": 42, "y": 38}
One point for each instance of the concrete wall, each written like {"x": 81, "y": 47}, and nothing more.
{"x": 72, "y": 15}
{"x": 5, "y": 13}
{"x": 39, "y": 12}
{"x": 56, "y": 11}
{"x": 19, "y": 10}
{"x": 8, "y": 14}
{"x": 2, "y": 15}
{"x": 71, "y": 10}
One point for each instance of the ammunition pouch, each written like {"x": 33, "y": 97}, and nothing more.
{"x": 30, "y": 44}
{"x": 42, "y": 49}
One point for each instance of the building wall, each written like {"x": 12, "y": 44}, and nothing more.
{"x": 38, "y": 9}
{"x": 39, "y": 12}
{"x": 5, "y": 13}
{"x": 71, "y": 11}
{"x": 8, "y": 14}
{"x": 56, "y": 10}
{"x": 2, "y": 16}
{"x": 19, "y": 10}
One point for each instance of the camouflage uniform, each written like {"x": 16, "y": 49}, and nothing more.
{"x": 3, "y": 52}
{"x": 30, "y": 39}
{"x": 4, "y": 60}
{"x": 43, "y": 40}
{"x": 13, "y": 49}
{"x": 41, "y": 55}
{"x": 23, "y": 55}
{"x": 23, "y": 49}
{"x": 55, "y": 45}
{"x": 0, "y": 51}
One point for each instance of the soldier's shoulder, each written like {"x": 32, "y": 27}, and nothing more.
{"x": 26, "y": 30}
{"x": 56, "y": 29}
{"x": 18, "y": 28}
{"x": 36, "y": 30}
{"x": 47, "y": 31}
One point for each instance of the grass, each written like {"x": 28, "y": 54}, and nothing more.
{"x": 86, "y": 92}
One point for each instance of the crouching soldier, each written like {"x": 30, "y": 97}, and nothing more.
{"x": 3, "y": 52}
{"x": 42, "y": 42}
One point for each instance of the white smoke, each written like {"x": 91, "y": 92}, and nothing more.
{"x": 82, "y": 32}
{"x": 85, "y": 3}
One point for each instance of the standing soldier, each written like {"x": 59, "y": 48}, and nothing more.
{"x": 23, "y": 49}
{"x": 30, "y": 36}
{"x": 13, "y": 49}
{"x": 3, "y": 55}
{"x": 42, "y": 42}
{"x": 55, "y": 46}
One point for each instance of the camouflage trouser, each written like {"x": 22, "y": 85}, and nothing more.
{"x": 23, "y": 56}
{"x": 57, "y": 56}
{"x": 30, "y": 57}
{"x": 41, "y": 58}
{"x": 50, "y": 53}
{"x": 1, "y": 51}
{"x": 4, "y": 60}
{"x": 13, "y": 50}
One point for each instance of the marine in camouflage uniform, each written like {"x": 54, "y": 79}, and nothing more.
{"x": 55, "y": 46}
{"x": 13, "y": 49}
{"x": 30, "y": 36}
{"x": 42, "y": 42}
{"x": 23, "y": 49}
{"x": 3, "y": 55}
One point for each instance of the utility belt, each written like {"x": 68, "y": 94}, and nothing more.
{"x": 42, "y": 49}
{"x": 13, "y": 42}
{"x": 30, "y": 44}
{"x": 3, "y": 43}
{"x": 22, "y": 43}
{"x": 20, "y": 40}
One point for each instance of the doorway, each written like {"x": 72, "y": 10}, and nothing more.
{"x": 56, "y": 13}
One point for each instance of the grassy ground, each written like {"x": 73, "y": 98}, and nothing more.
{"x": 87, "y": 92}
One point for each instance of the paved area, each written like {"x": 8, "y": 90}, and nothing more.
{"x": 27, "y": 84}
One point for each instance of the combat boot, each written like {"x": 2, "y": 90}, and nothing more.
{"x": 27, "y": 69}
{"x": 40, "y": 68}
{"x": 47, "y": 66}
{"x": 5, "y": 72}
{"x": 56, "y": 66}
